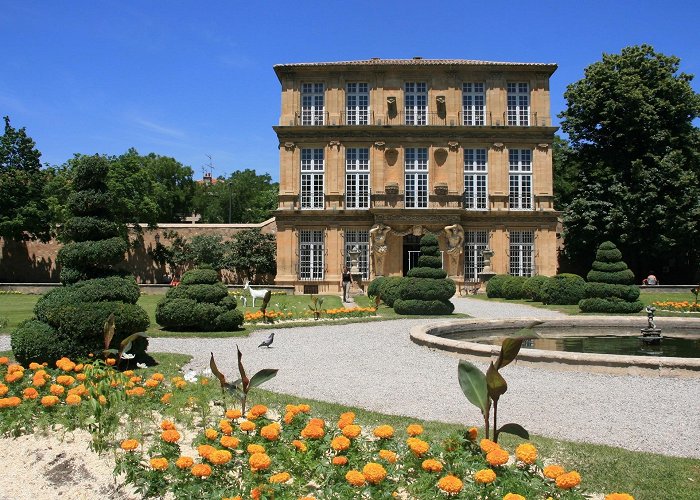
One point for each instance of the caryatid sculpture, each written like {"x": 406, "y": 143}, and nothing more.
{"x": 455, "y": 242}
{"x": 378, "y": 235}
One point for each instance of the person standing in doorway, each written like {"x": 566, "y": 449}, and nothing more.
{"x": 345, "y": 282}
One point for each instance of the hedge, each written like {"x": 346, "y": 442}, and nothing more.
{"x": 230, "y": 320}
{"x": 212, "y": 294}
{"x": 513, "y": 287}
{"x": 35, "y": 341}
{"x": 609, "y": 267}
{"x": 88, "y": 228}
{"x": 534, "y": 288}
{"x": 610, "y": 306}
{"x": 565, "y": 289}
{"x": 629, "y": 293}
{"x": 494, "y": 286}
{"x": 429, "y": 261}
{"x": 389, "y": 289}
{"x": 92, "y": 254}
{"x": 625, "y": 277}
{"x": 428, "y": 272}
{"x": 426, "y": 307}
{"x": 426, "y": 289}
{"x": 374, "y": 287}
{"x": 200, "y": 276}
{"x": 88, "y": 202}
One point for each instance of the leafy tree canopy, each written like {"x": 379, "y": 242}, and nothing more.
{"x": 638, "y": 160}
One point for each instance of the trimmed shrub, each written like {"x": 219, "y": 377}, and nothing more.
{"x": 429, "y": 261}
{"x": 213, "y": 293}
{"x": 88, "y": 228}
{"x": 35, "y": 341}
{"x": 534, "y": 288}
{"x": 230, "y": 320}
{"x": 565, "y": 289}
{"x": 609, "y": 267}
{"x": 88, "y": 202}
{"x": 602, "y": 290}
{"x": 424, "y": 307}
{"x": 390, "y": 288}
{"x": 494, "y": 286}
{"x": 625, "y": 277}
{"x": 229, "y": 302}
{"x": 513, "y": 287}
{"x": 610, "y": 305}
{"x": 428, "y": 272}
{"x": 177, "y": 314}
{"x": 87, "y": 255}
{"x": 428, "y": 289}
{"x": 374, "y": 287}
{"x": 200, "y": 276}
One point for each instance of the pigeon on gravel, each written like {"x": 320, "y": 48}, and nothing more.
{"x": 268, "y": 342}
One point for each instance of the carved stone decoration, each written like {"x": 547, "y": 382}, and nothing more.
{"x": 543, "y": 147}
{"x": 418, "y": 230}
{"x": 440, "y": 156}
{"x": 334, "y": 144}
{"x": 378, "y": 247}
{"x": 392, "y": 188}
{"x": 440, "y": 100}
{"x": 455, "y": 240}
{"x": 380, "y": 145}
{"x": 391, "y": 101}
{"x": 288, "y": 146}
{"x": 453, "y": 145}
{"x": 498, "y": 146}
{"x": 391, "y": 155}
{"x": 441, "y": 189}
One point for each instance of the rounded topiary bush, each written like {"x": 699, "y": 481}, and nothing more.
{"x": 389, "y": 289}
{"x": 374, "y": 287}
{"x": 426, "y": 290}
{"x": 513, "y": 287}
{"x": 565, "y": 289}
{"x": 35, "y": 341}
{"x": 610, "y": 287}
{"x": 199, "y": 303}
{"x": 534, "y": 288}
{"x": 494, "y": 286}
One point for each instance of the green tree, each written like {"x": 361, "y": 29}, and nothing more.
{"x": 252, "y": 254}
{"x": 630, "y": 125}
{"x": 23, "y": 212}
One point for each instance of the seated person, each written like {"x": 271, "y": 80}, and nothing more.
{"x": 650, "y": 280}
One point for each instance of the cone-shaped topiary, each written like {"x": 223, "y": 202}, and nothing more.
{"x": 426, "y": 288}
{"x": 199, "y": 303}
{"x": 610, "y": 287}
{"x": 69, "y": 321}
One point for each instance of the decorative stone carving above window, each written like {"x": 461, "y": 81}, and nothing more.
{"x": 334, "y": 144}
{"x": 391, "y": 155}
{"x": 289, "y": 146}
{"x": 543, "y": 147}
{"x": 454, "y": 145}
{"x": 440, "y": 100}
{"x": 440, "y": 156}
{"x": 498, "y": 146}
{"x": 441, "y": 189}
{"x": 380, "y": 144}
{"x": 392, "y": 188}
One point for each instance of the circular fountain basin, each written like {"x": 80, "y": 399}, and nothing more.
{"x": 481, "y": 338}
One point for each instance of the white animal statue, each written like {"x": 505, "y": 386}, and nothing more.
{"x": 254, "y": 294}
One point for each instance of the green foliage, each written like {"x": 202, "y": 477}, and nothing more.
{"x": 251, "y": 254}
{"x": 625, "y": 277}
{"x": 201, "y": 276}
{"x": 213, "y": 293}
{"x": 423, "y": 307}
{"x": 23, "y": 211}
{"x": 35, "y": 341}
{"x": 389, "y": 289}
{"x": 494, "y": 286}
{"x": 427, "y": 289}
{"x": 513, "y": 287}
{"x": 603, "y": 290}
{"x": 229, "y": 320}
{"x": 609, "y": 305}
{"x": 564, "y": 289}
{"x": 374, "y": 287}
{"x": 427, "y": 272}
{"x": 92, "y": 257}
{"x": 429, "y": 261}
{"x": 534, "y": 288}
{"x": 609, "y": 266}
{"x": 630, "y": 122}
{"x": 88, "y": 228}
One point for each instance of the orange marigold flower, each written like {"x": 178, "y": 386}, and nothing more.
{"x": 158, "y": 376}
{"x": 184, "y": 462}
{"x": 485, "y": 476}
{"x": 65, "y": 380}
{"x": 259, "y": 461}
{"x": 255, "y": 448}
{"x": 258, "y": 410}
{"x": 229, "y": 442}
{"x": 288, "y": 417}
{"x": 167, "y": 425}
{"x": 340, "y": 460}
{"x": 170, "y": 436}
{"x": 619, "y": 496}
{"x": 13, "y": 377}
{"x": 159, "y": 463}
{"x": 312, "y": 432}
{"x": 135, "y": 380}
{"x": 102, "y": 399}
{"x": 340, "y": 443}
{"x": 233, "y": 414}
{"x": 568, "y": 480}
{"x": 388, "y": 455}
{"x": 73, "y": 400}
{"x": 150, "y": 383}
{"x": 384, "y": 432}
{"x": 417, "y": 446}
{"x": 128, "y": 373}
{"x": 81, "y": 376}
{"x": 129, "y": 444}
{"x": 553, "y": 471}
{"x": 513, "y": 496}
{"x": 111, "y": 361}
{"x": 36, "y": 381}
{"x": 10, "y": 402}
{"x": 247, "y": 426}
{"x": 205, "y": 450}
{"x": 166, "y": 398}
{"x": 450, "y": 484}
{"x": 318, "y": 422}
{"x": 282, "y": 477}
{"x": 497, "y": 457}
{"x": 30, "y": 393}
{"x": 431, "y": 465}
{"x": 472, "y": 433}
{"x": 304, "y": 408}
{"x": 136, "y": 391}
{"x": 4, "y": 360}
{"x": 352, "y": 431}
{"x": 220, "y": 457}
{"x": 4, "y": 389}
{"x": 211, "y": 434}
{"x": 488, "y": 445}
{"x": 49, "y": 400}
{"x": 180, "y": 384}
{"x": 270, "y": 432}
{"x": 201, "y": 470}
{"x": 15, "y": 368}
{"x": 374, "y": 473}
{"x": 414, "y": 430}
{"x": 355, "y": 478}
{"x": 526, "y": 453}
{"x": 307, "y": 498}
{"x": 299, "y": 445}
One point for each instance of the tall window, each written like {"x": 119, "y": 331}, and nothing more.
{"x": 518, "y": 104}
{"x": 520, "y": 172}
{"x": 357, "y": 103}
{"x": 522, "y": 250}
{"x": 473, "y": 104}
{"x": 416, "y": 171}
{"x": 312, "y": 168}
{"x": 475, "y": 242}
{"x": 416, "y": 103}
{"x": 311, "y": 254}
{"x": 475, "y": 179}
{"x": 356, "y": 178}
{"x": 360, "y": 239}
{"x": 312, "y": 104}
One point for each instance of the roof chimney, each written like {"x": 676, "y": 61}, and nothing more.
{"x": 417, "y": 58}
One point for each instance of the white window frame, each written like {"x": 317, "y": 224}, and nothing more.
{"x": 518, "y": 104}
{"x": 313, "y": 110}
{"x": 357, "y": 103}
{"x": 475, "y": 242}
{"x": 359, "y": 238}
{"x": 473, "y": 104}
{"x": 416, "y": 178}
{"x": 312, "y": 179}
{"x": 415, "y": 103}
{"x": 520, "y": 179}
{"x": 311, "y": 254}
{"x": 476, "y": 175}
{"x": 357, "y": 181}
{"x": 522, "y": 253}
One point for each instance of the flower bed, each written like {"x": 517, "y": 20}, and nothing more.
{"x": 274, "y": 315}
{"x": 682, "y": 306}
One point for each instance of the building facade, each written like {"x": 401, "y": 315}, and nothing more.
{"x": 375, "y": 153}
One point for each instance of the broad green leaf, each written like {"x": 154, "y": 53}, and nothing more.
{"x": 109, "y": 330}
{"x": 495, "y": 383}
{"x": 511, "y": 346}
{"x": 473, "y": 384}
{"x": 244, "y": 378}
{"x": 515, "y": 429}
{"x": 262, "y": 376}
{"x": 131, "y": 338}
{"x": 215, "y": 370}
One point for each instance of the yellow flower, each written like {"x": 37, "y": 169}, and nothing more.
{"x": 340, "y": 460}
{"x": 233, "y": 414}
{"x": 450, "y": 484}
{"x": 170, "y": 436}
{"x": 417, "y": 446}
{"x": 211, "y": 434}
{"x": 568, "y": 480}
{"x": 73, "y": 400}
{"x": 513, "y": 496}
{"x": 102, "y": 399}
{"x": 299, "y": 445}
{"x": 485, "y": 476}
{"x": 351, "y": 431}
{"x": 384, "y": 432}
{"x": 526, "y": 453}
{"x": 431, "y": 465}
{"x": 229, "y": 442}
{"x": 184, "y": 462}
{"x": 355, "y": 478}
{"x": 388, "y": 455}
{"x": 414, "y": 430}
{"x": 487, "y": 445}
{"x": 201, "y": 470}
{"x": 374, "y": 473}
{"x": 619, "y": 496}
{"x": 255, "y": 448}
{"x": 553, "y": 471}
{"x": 282, "y": 477}
{"x": 49, "y": 401}
{"x": 340, "y": 443}
{"x": 159, "y": 463}
{"x": 312, "y": 432}
{"x": 220, "y": 457}
{"x": 247, "y": 426}
{"x": 259, "y": 461}
{"x": 270, "y": 432}
{"x": 129, "y": 444}
{"x": 497, "y": 457}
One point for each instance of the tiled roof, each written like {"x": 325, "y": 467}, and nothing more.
{"x": 413, "y": 62}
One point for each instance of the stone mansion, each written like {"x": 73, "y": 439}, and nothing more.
{"x": 376, "y": 153}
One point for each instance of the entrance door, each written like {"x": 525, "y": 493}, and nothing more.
{"x": 411, "y": 252}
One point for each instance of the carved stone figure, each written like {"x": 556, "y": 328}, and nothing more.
{"x": 378, "y": 235}
{"x": 455, "y": 238}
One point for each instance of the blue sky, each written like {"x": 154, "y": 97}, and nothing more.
{"x": 190, "y": 79}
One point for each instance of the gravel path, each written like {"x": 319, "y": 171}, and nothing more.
{"x": 377, "y": 367}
